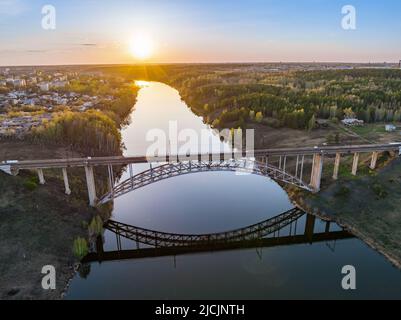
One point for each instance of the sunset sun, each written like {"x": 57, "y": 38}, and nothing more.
{"x": 141, "y": 46}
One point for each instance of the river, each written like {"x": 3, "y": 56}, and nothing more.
{"x": 215, "y": 202}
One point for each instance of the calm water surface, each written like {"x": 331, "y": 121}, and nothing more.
{"x": 215, "y": 202}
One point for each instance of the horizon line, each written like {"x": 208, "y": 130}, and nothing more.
{"x": 201, "y": 63}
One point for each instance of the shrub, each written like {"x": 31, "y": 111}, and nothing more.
{"x": 31, "y": 183}
{"x": 259, "y": 117}
{"x": 252, "y": 115}
{"x": 80, "y": 248}
{"x": 96, "y": 226}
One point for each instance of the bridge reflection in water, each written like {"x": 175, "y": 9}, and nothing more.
{"x": 262, "y": 235}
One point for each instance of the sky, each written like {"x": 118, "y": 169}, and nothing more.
{"x": 100, "y": 31}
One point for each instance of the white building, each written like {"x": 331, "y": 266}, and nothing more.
{"x": 19, "y": 83}
{"x": 58, "y": 84}
{"x": 16, "y": 82}
{"x": 44, "y": 86}
{"x": 352, "y": 122}
{"x": 86, "y": 106}
{"x": 390, "y": 127}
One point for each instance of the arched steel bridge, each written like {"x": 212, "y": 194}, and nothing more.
{"x": 284, "y": 171}
{"x": 162, "y": 239}
{"x": 174, "y": 169}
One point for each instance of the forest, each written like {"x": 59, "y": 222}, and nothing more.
{"x": 294, "y": 99}
{"x": 235, "y": 95}
{"x": 95, "y": 132}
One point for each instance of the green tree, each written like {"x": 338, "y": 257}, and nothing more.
{"x": 252, "y": 115}
{"x": 216, "y": 123}
{"x": 259, "y": 117}
{"x": 312, "y": 123}
{"x": 349, "y": 113}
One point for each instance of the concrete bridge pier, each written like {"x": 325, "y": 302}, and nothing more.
{"x": 90, "y": 181}
{"x": 317, "y": 169}
{"x": 336, "y": 166}
{"x": 355, "y": 163}
{"x": 111, "y": 178}
{"x": 66, "y": 183}
{"x": 41, "y": 176}
{"x": 373, "y": 162}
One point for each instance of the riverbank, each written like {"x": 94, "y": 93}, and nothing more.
{"x": 367, "y": 206}
{"x": 39, "y": 223}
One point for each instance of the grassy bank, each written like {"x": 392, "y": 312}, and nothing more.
{"x": 369, "y": 206}
{"x": 38, "y": 225}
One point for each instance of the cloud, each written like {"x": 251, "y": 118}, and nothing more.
{"x": 36, "y": 51}
{"x": 89, "y": 44}
{"x": 11, "y": 7}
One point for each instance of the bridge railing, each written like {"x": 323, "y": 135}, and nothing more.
{"x": 103, "y": 161}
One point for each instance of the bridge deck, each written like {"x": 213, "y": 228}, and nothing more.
{"x": 100, "y": 161}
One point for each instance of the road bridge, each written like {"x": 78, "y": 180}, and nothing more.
{"x": 169, "y": 166}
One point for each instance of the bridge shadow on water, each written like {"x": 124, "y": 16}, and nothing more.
{"x": 268, "y": 233}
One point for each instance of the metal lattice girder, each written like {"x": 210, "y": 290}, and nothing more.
{"x": 171, "y": 170}
{"x": 163, "y": 239}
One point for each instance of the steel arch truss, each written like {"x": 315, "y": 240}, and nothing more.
{"x": 175, "y": 169}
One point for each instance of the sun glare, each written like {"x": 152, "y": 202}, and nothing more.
{"x": 142, "y": 47}
{"x": 142, "y": 84}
